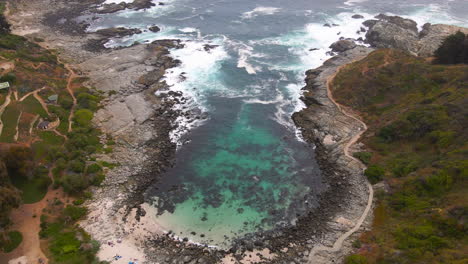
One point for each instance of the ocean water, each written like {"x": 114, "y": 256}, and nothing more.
{"x": 246, "y": 168}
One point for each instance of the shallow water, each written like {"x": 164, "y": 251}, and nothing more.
{"x": 246, "y": 169}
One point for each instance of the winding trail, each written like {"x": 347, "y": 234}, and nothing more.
{"x": 339, "y": 242}
{"x": 71, "y": 77}
{"x": 2, "y": 108}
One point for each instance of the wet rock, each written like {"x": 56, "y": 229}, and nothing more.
{"x": 154, "y": 29}
{"x": 401, "y": 33}
{"x": 342, "y": 45}
{"x": 208, "y": 47}
{"x": 357, "y": 16}
{"x": 118, "y": 32}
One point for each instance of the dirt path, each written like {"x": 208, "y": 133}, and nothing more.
{"x": 339, "y": 242}
{"x": 71, "y": 77}
{"x": 2, "y": 108}
{"x": 41, "y": 101}
{"x": 26, "y": 220}
{"x": 28, "y": 94}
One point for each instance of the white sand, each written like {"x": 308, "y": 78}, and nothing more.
{"x": 119, "y": 238}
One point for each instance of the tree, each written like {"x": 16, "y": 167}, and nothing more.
{"x": 19, "y": 160}
{"x": 454, "y": 49}
{"x": 374, "y": 173}
{"x": 4, "y": 25}
{"x": 83, "y": 117}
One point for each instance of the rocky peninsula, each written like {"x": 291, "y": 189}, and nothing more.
{"x": 140, "y": 122}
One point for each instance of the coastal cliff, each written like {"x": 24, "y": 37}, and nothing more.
{"x": 331, "y": 126}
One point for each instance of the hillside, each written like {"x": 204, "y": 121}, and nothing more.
{"x": 48, "y": 150}
{"x": 416, "y": 145}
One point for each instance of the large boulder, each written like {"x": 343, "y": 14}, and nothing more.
{"x": 401, "y": 33}
{"x": 432, "y": 36}
{"x": 392, "y": 32}
{"x": 343, "y": 45}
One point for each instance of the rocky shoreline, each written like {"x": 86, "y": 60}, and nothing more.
{"x": 140, "y": 123}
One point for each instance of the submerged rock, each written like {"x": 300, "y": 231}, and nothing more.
{"x": 357, "y": 16}
{"x": 154, "y": 29}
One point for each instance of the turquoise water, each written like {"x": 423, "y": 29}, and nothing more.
{"x": 245, "y": 169}
{"x": 245, "y": 177}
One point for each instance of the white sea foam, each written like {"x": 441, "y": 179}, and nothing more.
{"x": 260, "y": 11}
{"x": 354, "y": 2}
{"x": 188, "y": 30}
{"x": 117, "y": 1}
{"x": 435, "y": 14}
{"x": 200, "y": 70}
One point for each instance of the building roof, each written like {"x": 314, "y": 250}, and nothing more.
{"x": 43, "y": 125}
{"x": 53, "y": 97}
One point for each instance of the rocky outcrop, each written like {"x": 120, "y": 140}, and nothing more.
{"x": 118, "y": 32}
{"x": 343, "y": 45}
{"x": 323, "y": 124}
{"x": 401, "y": 33}
{"x": 116, "y": 7}
{"x": 154, "y": 29}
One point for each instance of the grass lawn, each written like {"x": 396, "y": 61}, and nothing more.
{"x": 32, "y": 105}
{"x": 10, "y": 120}
{"x": 15, "y": 239}
{"x": 51, "y": 138}
{"x": 33, "y": 190}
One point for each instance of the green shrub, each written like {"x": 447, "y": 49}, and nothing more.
{"x": 98, "y": 179}
{"x": 11, "y": 41}
{"x": 453, "y": 50}
{"x": 88, "y": 101}
{"x": 12, "y": 241}
{"x": 363, "y": 156}
{"x": 9, "y": 77}
{"x": 78, "y": 202}
{"x": 355, "y": 259}
{"x": 374, "y": 173}
{"x": 93, "y": 168}
{"x": 83, "y": 117}
{"x": 66, "y": 102}
{"x": 74, "y": 183}
{"x": 77, "y": 166}
{"x": 75, "y": 212}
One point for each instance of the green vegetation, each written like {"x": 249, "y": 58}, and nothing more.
{"x": 356, "y": 259}
{"x": 12, "y": 240}
{"x": 10, "y": 121}
{"x": 453, "y": 50}
{"x": 32, "y": 105}
{"x": 67, "y": 243}
{"x": 36, "y": 158}
{"x": 363, "y": 156}
{"x": 417, "y": 119}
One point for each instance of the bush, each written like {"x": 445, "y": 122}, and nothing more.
{"x": 88, "y": 101}
{"x": 65, "y": 102}
{"x": 12, "y": 241}
{"x": 74, "y": 183}
{"x": 363, "y": 156}
{"x": 454, "y": 49}
{"x": 374, "y": 173}
{"x": 356, "y": 259}
{"x": 93, "y": 168}
{"x": 83, "y": 117}
{"x": 75, "y": 212}
{"x": 11, "y": 78}
{"x": 77, "y": 166}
